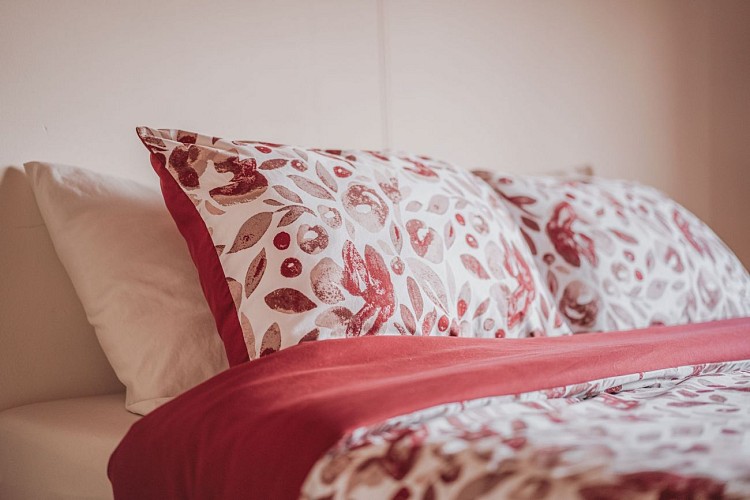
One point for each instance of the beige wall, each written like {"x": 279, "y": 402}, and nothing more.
{"x": 654, "y": 90}
{"x": 729, "y": 161}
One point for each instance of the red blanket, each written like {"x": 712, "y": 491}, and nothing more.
{"x": 256, "y": 430}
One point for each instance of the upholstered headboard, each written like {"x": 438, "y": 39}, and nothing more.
{"x": 47, "y": 348}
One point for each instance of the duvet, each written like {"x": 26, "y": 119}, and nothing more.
{"x": 662, "y": 412}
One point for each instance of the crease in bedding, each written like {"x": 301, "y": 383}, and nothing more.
{"x": 592, "y": 416}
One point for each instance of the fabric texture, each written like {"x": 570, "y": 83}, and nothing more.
{"x": 59, "y": 449}
{"x": 674, "y": 433}
{"x": 134, "y": 277}
{"x": 618, "y": 255}
{"x": 261, "y": 426}
{"x": 297, "y": 244}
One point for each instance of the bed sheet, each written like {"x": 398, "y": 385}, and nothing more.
{"x": 59, "y": 449}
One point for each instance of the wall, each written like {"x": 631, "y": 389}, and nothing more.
{"x": 527, "y": 86}
{"x": 729, "y": 163}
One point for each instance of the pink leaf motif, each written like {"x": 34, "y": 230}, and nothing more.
{"x": 370, "y": 279}
{"x": 474, "y": 266}
{"x": 530, "y": 223}
{"x": 482, "y": 308}
{"x": 293, "y": 213}
{"x": 429, "y": 322}
{"x": 289, "y": 301}
{"x": 430, "y": 283}
{"x": 438, "y": 204}
{"x": 415, "y": 296}
{"x": 324, "y": 278}
{"x": 235, "y": 290}
{"x": 408, "y": 318}
{"x": 271, "y": 340}
{"x": 624, "y": 236}
{"x": 325, "y": 177}
{"x": 248, "y": 335}
{"x": 255, "y": 272}
{"x": 529, "y": 241}
{"x": 310, "y": 336}
{"x": 311, "y": 187}
{"x": 251, "y": 231}
{"x": 273, "y": 164}
{"x": 288, "y": 194}
{"x": 396, "y": 239}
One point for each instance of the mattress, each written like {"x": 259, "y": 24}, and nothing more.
{"x": 60, "y": 449}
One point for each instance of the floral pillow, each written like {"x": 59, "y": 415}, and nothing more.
{"x": 619, "y": 255}
{"x": 295, "y": 244}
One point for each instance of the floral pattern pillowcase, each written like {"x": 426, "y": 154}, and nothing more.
{"x": 296, "y": 244}
{"x": 619, "y": 255}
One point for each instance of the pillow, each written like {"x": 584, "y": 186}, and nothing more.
{"x": 619, "y": 255}
{"x": 135, "y": 280}
{"x": 294, "y": 244}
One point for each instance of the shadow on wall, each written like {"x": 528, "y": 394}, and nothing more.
{"x": 43, "y": 329}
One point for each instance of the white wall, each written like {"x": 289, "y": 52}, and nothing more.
{"x": 630, "y": 87}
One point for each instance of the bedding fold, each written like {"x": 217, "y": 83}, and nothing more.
{"x": 256, "y": 430}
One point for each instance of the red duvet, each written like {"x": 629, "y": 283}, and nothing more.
{"x": 257, "y": 430}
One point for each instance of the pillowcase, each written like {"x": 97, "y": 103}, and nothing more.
{"x": 295, "y": 244}
{"x": 619, "y": 255}
{"x": 135, "y": 280}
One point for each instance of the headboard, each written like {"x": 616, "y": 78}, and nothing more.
{"x": 47, "y": 348}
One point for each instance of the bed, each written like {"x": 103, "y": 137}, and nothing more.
{"x": 370, "y": 324}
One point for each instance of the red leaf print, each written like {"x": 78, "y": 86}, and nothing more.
{"x": 293, "y": 213}
{"x": 408, "y": 318}
{"x": 370, "y": 279}
{"x": 311, "y": 188}
{"x": 289, "y": 301}
{"x": 255, "y": 272}
{"x": 271, "y": 340}
{"x": 531, "y": 224}
{"x": 247, "y": 183}
{"x": 474, "y": 266}
{"x": 251, "y": 231}
{"x": 273, "y": 164}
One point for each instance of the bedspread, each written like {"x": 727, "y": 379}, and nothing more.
{"x": 657, "y": 413}
{"x": 676, "y": 433}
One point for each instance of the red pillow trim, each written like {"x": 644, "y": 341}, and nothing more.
{"x": 211, "y": 275}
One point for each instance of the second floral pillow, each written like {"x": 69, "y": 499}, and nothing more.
{"x": 296, "y": 244}
{"x": 619, "y": 255}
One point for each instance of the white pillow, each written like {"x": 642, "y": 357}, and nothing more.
{"x": 136, "y": 281}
